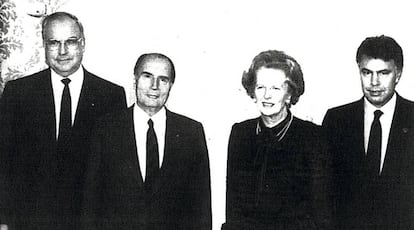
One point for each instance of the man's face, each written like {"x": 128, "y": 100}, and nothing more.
{"x": 153, "y": 84}
{"x": 64, "y": 46}
{"x": 378, "y": 79}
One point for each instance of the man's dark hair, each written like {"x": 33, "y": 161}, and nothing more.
{"x": 381, "y": 47}
{"x": 143, "y": 57}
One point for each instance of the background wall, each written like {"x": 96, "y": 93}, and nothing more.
{"x": 213, "y": 42}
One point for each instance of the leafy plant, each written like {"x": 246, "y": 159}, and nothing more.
{"x": 7, "y": 42}
{"x": 7, "y": 14}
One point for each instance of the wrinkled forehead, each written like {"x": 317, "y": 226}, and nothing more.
{"x": 155, "y": 66}
{"x": 62, "y": 28}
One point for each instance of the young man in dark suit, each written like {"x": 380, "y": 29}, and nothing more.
{"x": 149, "y": 167}
{"x": 372, "y": 145}
{"x": 45, "y": 125}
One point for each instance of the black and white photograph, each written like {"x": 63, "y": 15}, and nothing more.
{"x": 215, "y": 115}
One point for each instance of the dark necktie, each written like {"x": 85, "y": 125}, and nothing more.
{"x": 65, "y": 121}
{"x": 152, "y": 155}
{"x": 374, "y": 145}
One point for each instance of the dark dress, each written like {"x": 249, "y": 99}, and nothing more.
{"x": 276, "y": 177}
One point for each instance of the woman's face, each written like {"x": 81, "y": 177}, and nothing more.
{"x": 271, "y": 91}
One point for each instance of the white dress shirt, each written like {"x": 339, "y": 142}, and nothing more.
{"x": 385, "y": 120}
{"x": 141, "y": 127}
{"x": 75, "y": 86}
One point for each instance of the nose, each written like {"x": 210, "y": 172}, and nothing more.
{"x": 154, "y": 83}
{"x": 63, "y": 48}
{"x": 267, "y": 94}
{"x": 374, "y": 79}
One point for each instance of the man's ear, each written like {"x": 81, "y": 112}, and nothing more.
{"x": 397, "y": 79}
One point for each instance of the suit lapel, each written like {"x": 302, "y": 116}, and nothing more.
{"x": 398, "y": 137}
{"x": 357, "y": 129}
{"x": 44, "y": 104}
{"x": 171, "y": 159}
{"x": 131, "y": 148}
{"x": 42, "y": 107}
{"x": 86, "y": 101}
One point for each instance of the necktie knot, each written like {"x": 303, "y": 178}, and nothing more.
{"x": 66, "y": 81}
{"x": 150, "y": 123}
{"x": 377, "y": 114}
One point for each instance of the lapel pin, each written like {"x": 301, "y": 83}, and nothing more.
{"x": 405, "y": 130}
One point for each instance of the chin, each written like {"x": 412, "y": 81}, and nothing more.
{"x": 269, "y": 114}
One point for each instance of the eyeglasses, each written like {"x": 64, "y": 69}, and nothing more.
{"x": 71, "y": 43}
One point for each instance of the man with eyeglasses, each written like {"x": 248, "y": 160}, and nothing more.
{"x": 45, "y": 124}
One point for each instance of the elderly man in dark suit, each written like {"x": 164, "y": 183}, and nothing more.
{"x": 45, "y": 125}
{"x": 149, "y": 167}
{"x": 372, "y": 142}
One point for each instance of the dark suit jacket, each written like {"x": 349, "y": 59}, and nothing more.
{"x": 115, "y": 190}
{"x": 44, "y": 188}
{"x": 386, "y": 202}
{"x": 277, "y": 185}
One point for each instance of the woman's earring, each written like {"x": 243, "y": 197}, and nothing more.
{"x": 288, "y": 101}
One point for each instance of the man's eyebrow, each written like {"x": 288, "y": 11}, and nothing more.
{"x": 145, "y": 72}
{"x": 384, "y": 70}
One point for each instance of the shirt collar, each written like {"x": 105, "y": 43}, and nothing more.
{"x": 387, "y": 109}
{"x": 158, "y": 118}
{"x": 76, "y": 78}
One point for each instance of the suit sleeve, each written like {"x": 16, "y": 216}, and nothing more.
{"x": 321, "y": 186}
{"x": 326, "y": 124}
{"x": 200, "y": 186}
{"x": 330, "y": 131}
{"x": 119, "y": 100}
{"x": 231, "y": 214}
{"x": 90, "y": 218}
{"x": 8, "y": 104}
